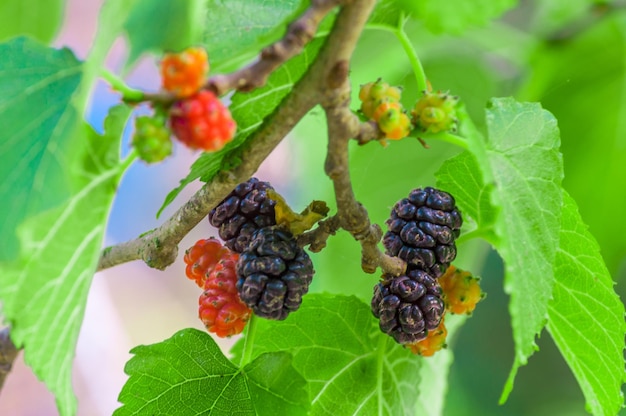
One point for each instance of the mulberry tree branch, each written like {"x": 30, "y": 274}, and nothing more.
{"x": 159, "y": 247}
{"x": 8, "y": 354}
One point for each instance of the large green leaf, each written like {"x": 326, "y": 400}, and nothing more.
{"x": 38, "y": 122}
{"x": 163, "y": 25}
{"x": 521, "y": 158}
{"x": 188, "y": 374}
{"x": 350, "y": 365}
{"x": 36, "y": 18}
{"x": 586, "y": 316}
{"x": 235, "y": 30}
{"x": 582, "y": 81}
{"x": 44, "y": 292}
{"x": 249, "y": 110}
{"x": 456, "y": 16}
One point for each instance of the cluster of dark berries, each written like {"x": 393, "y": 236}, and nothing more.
{"x": 273, "y": 273}
{"x": 422, "y": 231}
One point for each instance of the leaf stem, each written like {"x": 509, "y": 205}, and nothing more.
{"x": 248, "y": 342}
{"x": 129, "y": 94}
{"x": 416, "y": 64}
{"x": 128, "y": 160}
{"x": 446, "y": 137}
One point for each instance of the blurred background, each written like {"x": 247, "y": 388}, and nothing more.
{"x": 568, "y": 54}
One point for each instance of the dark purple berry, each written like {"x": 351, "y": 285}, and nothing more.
{"x": 422, "y": 230}
{"x": 273, "y": 273}
{"x": 244, "y": 211}
{"x": 408, "y": 306}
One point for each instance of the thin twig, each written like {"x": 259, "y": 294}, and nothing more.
{"x": 316, "y": 238}
{"x": 342, "y": 126}
{"x": 8, "y": 354}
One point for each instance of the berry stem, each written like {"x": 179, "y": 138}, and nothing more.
{"x": 128, "y": 160}
{"x": 128, "y": 94}
{"x": 248, "y": 342}
{"x": 446, "y": 137}
{"x": 411, "y": 53}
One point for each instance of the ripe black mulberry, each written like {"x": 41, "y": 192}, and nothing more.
{"x": 245, "y": 210}
{"x": 422, "y": 230}
{"x": 408, "y": 306}
{"x": 273, "y": 273}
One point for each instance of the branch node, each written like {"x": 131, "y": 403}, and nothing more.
{"x": 338, "y": 74}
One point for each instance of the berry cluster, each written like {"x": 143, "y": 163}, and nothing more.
{"x": 461, "y": 291}
{"x": 381, "y": 102}
{"x": 422, "y": 230}
{"x": 245, "y": 210}
{"x": 152, "y": 139}
{"x": 212, "y": 267}
{"x": 432, "y": 113}
{"x": 183, "y": 73}
{"x": 198, "y": 118}
{"x": 435, "y": 112}
{"x": 259, "y": 269}
{"x": 273, "y": 272}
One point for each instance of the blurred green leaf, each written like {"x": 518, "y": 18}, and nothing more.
{"x": 38, "y": 19}
{"x": 36, "y": 88}
{"x": 236, "y": 30}
{"x": 250, "y": 111}
{"x": 60, "y": 250}
{"x": 521, "y": 158}
{"x": 350, "y": 365}
{"x": 551, "y": 17}
{"x": 456, "y": 16}
{"x": 581, "y": 80}
{"x": 163, "y": 25}
{"x": 461, "y": 177}
{"x": 586, "y": 315}
{"x": 188, "y": 374}
{"x": 387, "y": 13}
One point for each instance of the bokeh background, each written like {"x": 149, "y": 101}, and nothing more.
{"x": 567, "y": 54}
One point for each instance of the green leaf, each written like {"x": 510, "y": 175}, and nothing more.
{"x": 250, "y": 111}
{"x": 387, "y": 13}
{"x": 461, "y": 177}
{"x": 61, "y": 248}
{"x": 456, "y": 16}
{"x": 188, "y": 374}
{"x": 552, "y": 16}
{"x": 38, "y": 19}
{"x": 38, "y": 123}
{"x": 434, "y": 372}
{"x": 586, "y": 315}
{"x": 163, "y": 25}
{"x": 43, "y": 92}
{"x": 582, "y": 82}
{"x": 521, "y": 158}
{"x": 350, "y": 365}
{"x": 236, "y": 30}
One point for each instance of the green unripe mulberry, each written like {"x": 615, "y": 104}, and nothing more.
{"x": 151, "y": 139}
{"x": 435, "y": 112}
